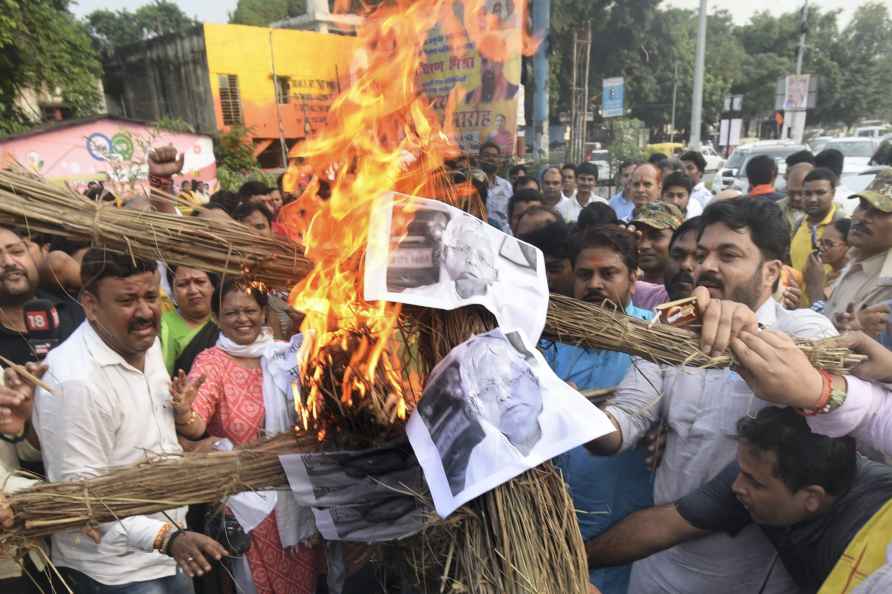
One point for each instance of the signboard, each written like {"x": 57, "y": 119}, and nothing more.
{"x": 487, "y": 109}
{"x": 729, "y": 132}
{"x": 789, "y": 98}
{"x": 796, "y": 95}
{"x": 612, "y": 98}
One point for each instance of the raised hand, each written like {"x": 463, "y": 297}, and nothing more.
{"x": 164, "y": 162}
{"x": 183, "y": 392}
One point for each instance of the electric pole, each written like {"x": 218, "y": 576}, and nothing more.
{"x": 699, "y": 68}
{"x": 674, "y": 99}
{"x": 541, "y": 27}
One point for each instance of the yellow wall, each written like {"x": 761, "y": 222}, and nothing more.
{"x": 316, "y": 64}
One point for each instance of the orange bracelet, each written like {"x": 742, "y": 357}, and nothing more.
{"x": 160, "y": 537}
{"x": 826, "y": 390}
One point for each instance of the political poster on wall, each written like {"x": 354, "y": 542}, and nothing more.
{"x": 490, "y": 80}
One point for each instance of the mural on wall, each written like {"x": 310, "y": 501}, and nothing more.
{"x": 108, "y": 150}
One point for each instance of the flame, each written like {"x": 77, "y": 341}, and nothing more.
{"x": 382, "y": 134}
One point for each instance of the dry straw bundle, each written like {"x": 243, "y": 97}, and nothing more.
{"x": 34, "y": 206}
{"x": 593, "y": 326}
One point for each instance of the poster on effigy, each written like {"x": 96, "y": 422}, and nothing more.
{"x": 491, "y": 410}
{"x": 371, "y": 495}
{"x": 428, "y": 253}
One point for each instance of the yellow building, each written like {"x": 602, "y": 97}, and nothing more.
{"x": 276, "y": 83}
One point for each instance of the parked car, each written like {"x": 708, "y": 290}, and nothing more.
{"x": 714, "y": 161}
{"x": 856, "y": 150}
{"x": 733, "y": 172}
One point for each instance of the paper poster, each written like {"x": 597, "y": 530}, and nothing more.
{"x": 424, "y": 252}
{"x": 491, "y": 410}
{"x": 367, "y": 495}
{"x": 487, "y": 109}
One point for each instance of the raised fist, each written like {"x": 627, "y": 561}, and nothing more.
{"x": 164, "y": 162}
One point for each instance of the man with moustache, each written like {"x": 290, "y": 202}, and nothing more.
{"x": 865, "y": 285}
{"x": 111, "y": 407}
{"x": 740, "y": 251}
{"x": 551, "y": 186}
{"x": 679, "y": 278}
{"x": 604, "y": 489}
{"x": 646, "y": 184}
{"x": 19, "y": 282}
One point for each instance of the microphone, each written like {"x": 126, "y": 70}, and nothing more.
{"x": 41, "y": 326}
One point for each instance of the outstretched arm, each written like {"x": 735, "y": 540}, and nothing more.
{"x": 640, "y": 535}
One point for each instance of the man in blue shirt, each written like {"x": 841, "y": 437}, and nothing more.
{"x": 604, "y": 490}
{"x": 622, "y": 202}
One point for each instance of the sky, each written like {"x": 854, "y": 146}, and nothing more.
{"x": 217, "y": 11}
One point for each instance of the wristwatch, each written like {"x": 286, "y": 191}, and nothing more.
{"x": 837, "y": 398}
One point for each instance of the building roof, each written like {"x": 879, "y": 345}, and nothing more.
{"x": 73, "y": 123}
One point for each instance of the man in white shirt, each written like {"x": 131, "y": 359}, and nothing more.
{"x": 740, "y": 253}
{"x": 568, "y": 181}
{"x": 695, "y": 166}
{"x": 586, "y": 184}
{"x": 111, "y": 407}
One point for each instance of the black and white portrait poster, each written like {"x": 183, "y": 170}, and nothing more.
{"x": 363, "y": 496}
{"x": 491, "y": 410}
{"x": 424, "y": 252}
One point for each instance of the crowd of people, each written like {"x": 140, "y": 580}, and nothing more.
{"x": 766, "y": 477}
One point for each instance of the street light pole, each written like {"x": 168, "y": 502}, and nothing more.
{"x": 541, "y": 26}
{"x": 674, "y": 98}
{"x": 699, "y": 68}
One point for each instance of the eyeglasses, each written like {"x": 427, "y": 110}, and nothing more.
{"x": 829, "y": 243}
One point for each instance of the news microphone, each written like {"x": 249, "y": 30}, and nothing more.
{"x": 41, "y": 326}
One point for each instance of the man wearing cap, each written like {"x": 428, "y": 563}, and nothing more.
{"x": 655, "y": 222}
{"x": 865, "y": 285}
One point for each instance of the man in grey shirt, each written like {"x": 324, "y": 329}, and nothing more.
{"x": 740, "y": 252}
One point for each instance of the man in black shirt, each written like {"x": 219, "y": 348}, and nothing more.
{"x": 19, "y": 282}
{"x": 810, "y": 494}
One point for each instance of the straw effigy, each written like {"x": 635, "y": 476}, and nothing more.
{"x": 32, "y": 205}
{"x": 600, "y": 327}
{"x": 35, "y": 206}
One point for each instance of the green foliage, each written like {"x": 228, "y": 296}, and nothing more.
{"x": 44, "y": 48}
{"x": 644, "y": 41}
{"x": 260, "y": 13}
{"x": 172, "y": 124}
{"x": 626, "y": 143}
{"x": 236, "y": 164}
{"x": 112, "y": 29}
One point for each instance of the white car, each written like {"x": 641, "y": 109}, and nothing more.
{"x": 733, "y": 173}
{"x": 856, "y": 150}
{"x": 714, "y": 161}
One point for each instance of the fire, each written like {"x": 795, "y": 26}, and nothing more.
{"x": 382, "y": 135}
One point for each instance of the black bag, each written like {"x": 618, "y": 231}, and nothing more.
{"x": 226, "y": 530}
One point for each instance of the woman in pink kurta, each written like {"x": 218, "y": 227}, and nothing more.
{"x": 230, "y": 404}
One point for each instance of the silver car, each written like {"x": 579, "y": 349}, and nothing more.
{"x": 733, "y": 173}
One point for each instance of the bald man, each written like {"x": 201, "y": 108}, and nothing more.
{"x": 791, "y": 204}
{"x": 646, "y": 184}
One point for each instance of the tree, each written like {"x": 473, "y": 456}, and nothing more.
{"x": 260, "y": 13}
{"x": 43, "y": 48}
{"x": 113, "y": 29}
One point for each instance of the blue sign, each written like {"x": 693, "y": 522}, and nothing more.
{"x": 612, "y": 99}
